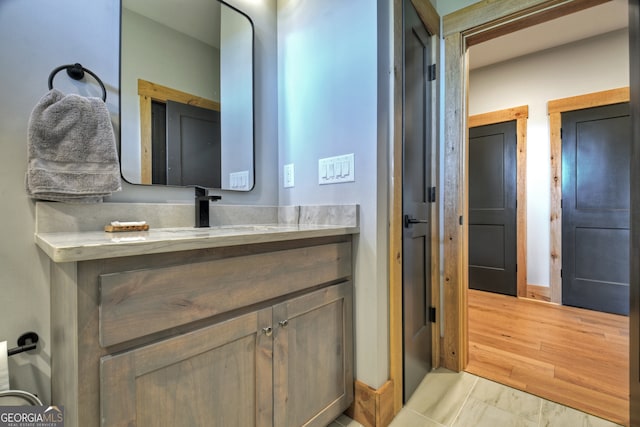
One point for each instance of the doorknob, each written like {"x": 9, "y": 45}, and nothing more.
{"x": 408, "y": 221}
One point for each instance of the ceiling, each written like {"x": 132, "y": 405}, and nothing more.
{"x": 587, "y": 23}
{"x": 194, "y": 18}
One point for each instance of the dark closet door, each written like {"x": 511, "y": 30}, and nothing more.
{"x": 416, "y": 238}
{"x": 193, "y": 146}
{"x": 492, "y": 208}
{"x": 596, "y": 148}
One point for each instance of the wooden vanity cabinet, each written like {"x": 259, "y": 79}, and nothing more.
{"x": 286, "y": 365}
{"x": 313, "y": 348}
{"x": 275, "y": 348}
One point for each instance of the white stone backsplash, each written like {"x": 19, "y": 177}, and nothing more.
{"x": 52, "y": 217}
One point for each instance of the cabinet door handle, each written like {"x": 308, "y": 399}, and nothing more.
{"x": 283, "y": 323}
{"x": 267, "y": 331}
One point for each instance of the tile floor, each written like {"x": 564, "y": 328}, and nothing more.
{"x": 450, "y": 399}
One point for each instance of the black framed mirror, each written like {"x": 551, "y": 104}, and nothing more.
{"x": 187, "y": 94}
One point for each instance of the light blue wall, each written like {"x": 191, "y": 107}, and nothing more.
{"x": 334, "y": 79}
{"x": 37, "y": 36}
{"x": 334, "y": 99}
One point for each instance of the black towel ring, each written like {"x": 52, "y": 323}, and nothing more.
{"x": 76, "y": 72}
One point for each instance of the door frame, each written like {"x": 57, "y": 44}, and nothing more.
{"x": 520, "y": 115}
{"x": 555, "y": 108}
{"x": 431, "y": 20}
{"x": 476, "y": 23}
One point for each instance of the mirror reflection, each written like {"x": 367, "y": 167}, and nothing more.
{"x": 186, "y": 97}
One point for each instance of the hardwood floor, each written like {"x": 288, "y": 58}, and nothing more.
{"x": 576, "y": 357}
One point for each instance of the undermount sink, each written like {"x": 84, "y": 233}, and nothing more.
{"x": 228, "y": 228}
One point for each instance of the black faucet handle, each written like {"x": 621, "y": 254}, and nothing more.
{"x": 202, "y": 193}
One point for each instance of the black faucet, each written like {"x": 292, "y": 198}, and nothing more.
{"x": 202, "y": 206}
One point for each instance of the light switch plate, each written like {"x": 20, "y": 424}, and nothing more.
{"x": 333, "y": 170}
{"x": 239, "y": 180}
{"x": 288, "y": 175}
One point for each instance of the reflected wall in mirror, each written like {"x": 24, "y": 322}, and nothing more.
{"x": 186, "y": 113}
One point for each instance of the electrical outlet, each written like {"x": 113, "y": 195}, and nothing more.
{"x": 288, "y": 175}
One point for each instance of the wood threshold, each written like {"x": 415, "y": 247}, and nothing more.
{"x": 459, "y": 29}
{"x": 520, "y": 115}
{"x": 572, "y": 356}
{"x": 555, "y": 108}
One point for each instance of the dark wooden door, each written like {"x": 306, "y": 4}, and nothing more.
{"x": 596, "y": 148}
{"x": 492, "y": 208}
{"x": 193, "y": 145}
{"x": 634, "y": 312}
{"x": 416, "y": 240}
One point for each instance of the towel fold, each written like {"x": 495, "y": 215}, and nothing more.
{"x": 72, "y": 154}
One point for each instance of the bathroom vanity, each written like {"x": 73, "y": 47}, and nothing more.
{"x": 235, "y": 325}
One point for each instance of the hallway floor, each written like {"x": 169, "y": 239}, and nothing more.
{"x": 569, "y": 355}
{"x": 449, "y": 399}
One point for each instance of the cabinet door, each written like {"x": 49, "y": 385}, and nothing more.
{"x": 313, "y": 357}
{"x": 216, "y": 376}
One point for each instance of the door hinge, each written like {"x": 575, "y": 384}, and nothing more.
{"x": 516, "y": 268}
{"x": 431, "y": 72}
{"x": 560, "y": 203}
{"x": 460, "y": 221}
{"x": 432, "y": 195}
{"x": 561, "y": 273}
{"x": 432, "y": 314}
{"x": 561, "y": 133}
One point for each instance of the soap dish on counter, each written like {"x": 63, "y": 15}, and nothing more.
{"x": 116, "y": 226}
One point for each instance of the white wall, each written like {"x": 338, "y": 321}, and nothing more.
{"x": 37, "y": 36}
{"x": 591, "y": 65}
{"x": 328, "y": 105}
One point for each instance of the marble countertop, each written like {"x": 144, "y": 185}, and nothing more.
{"x": 71, "y": 246}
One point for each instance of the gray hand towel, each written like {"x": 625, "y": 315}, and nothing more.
{"x": 72, "y": 154}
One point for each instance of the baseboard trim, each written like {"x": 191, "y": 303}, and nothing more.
{"x": 540, "y": 293}
{"x": 371, "y": 407}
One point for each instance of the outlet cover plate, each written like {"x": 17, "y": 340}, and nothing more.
{"x": 288, "y": 174}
